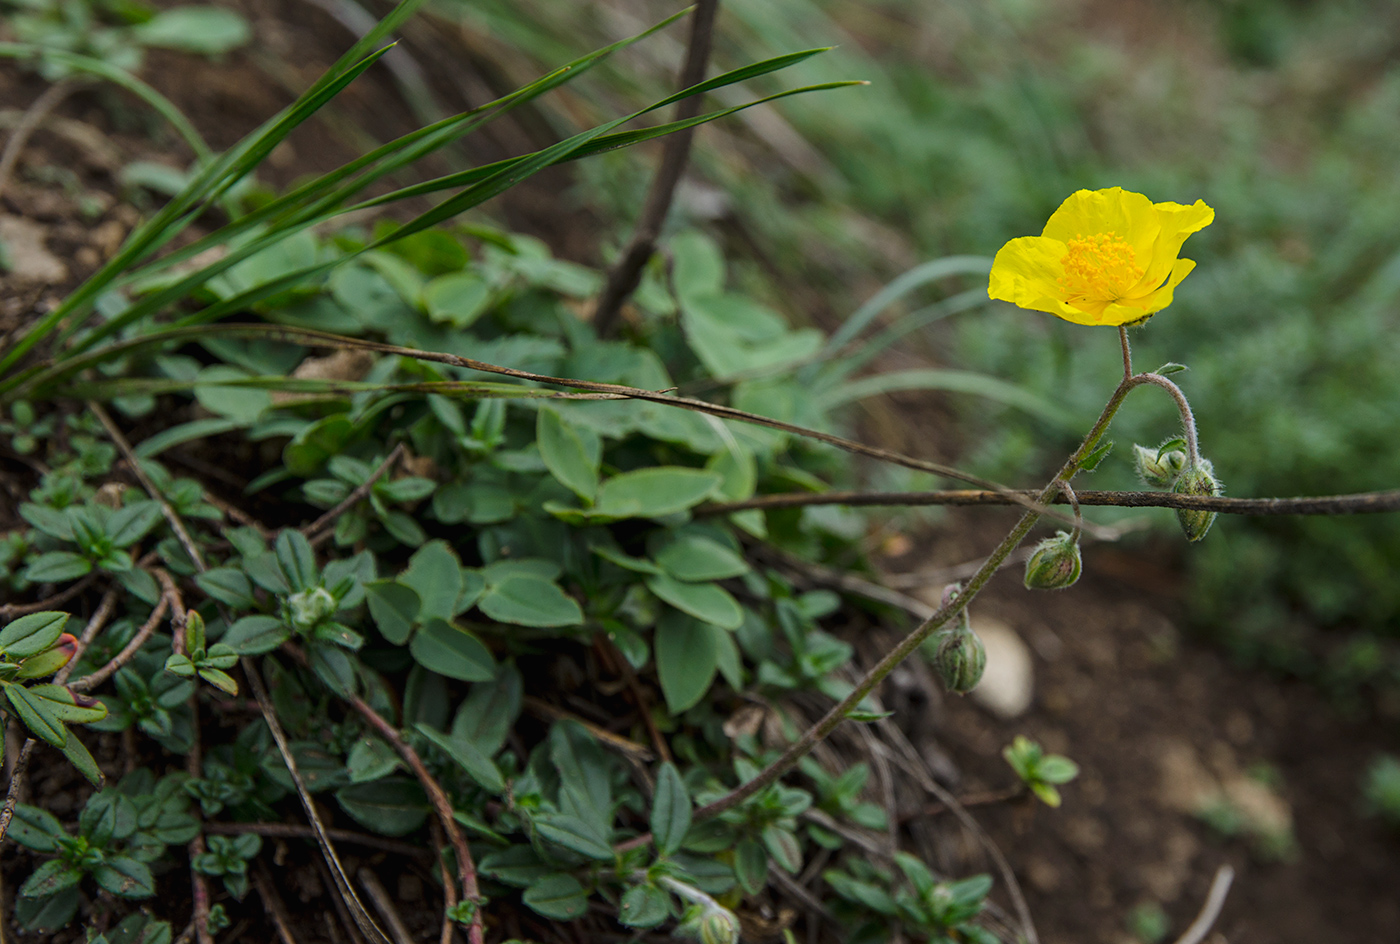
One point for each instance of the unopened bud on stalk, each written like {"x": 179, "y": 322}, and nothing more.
{"x": 960, "y": 660}
{"x": 1158, "y": 471}
{"x": 1055, "y": 563}
{"x": 1200, "y": 480}
{"x": 719, "y": 926}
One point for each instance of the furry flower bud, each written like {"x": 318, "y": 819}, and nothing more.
{"x": 1055, "y": 563}
{"x": 1200, "y": 480}
{"x": 1158, "y": 471}
{"x": 309, "y": 607}
{"x": 719, "y": 926}
{"x": 960, "y": 660}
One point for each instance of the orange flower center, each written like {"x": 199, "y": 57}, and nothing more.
{"x": 1102, "y": 267}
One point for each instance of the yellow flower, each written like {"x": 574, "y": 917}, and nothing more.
{"x": 1107, "y": 257}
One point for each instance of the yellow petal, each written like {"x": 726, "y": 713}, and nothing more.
{"x": 1130, "y": 216}
{"x": 1136, "y": 309}
{"x": 1177, "y": 222}
{"x": 1027, "y": 270}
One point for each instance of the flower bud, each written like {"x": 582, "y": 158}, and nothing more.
{"x": 1200, "y": 480}
{"x": 960, "y": 660}
{"x": 1055, "y": 563}
{"x": 719, "y": 926}
{"x": 309, "y": 607}
{"x": 1158, "y": 471}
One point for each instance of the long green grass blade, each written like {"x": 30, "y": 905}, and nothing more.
{"x": 915, "y": 278}
{"x": 104, "y": 70}
{"x": 494, "y": 179}
{"x": 226, "y": 170}
{"x": 293, "y": 210}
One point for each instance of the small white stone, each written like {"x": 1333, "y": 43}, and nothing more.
{"x": 1008, "y": 684}
{"x": 30, "y": 262}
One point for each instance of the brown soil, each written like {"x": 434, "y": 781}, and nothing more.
{"x": 1157, "y": 720}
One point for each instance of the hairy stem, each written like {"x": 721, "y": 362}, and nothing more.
{"x": 1188, "y": 421}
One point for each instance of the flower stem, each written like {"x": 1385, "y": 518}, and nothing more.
{"x": 1188, "y": 421}
{"x": 818, "y": 732}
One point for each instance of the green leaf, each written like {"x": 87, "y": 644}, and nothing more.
{"x": 220, "y": 680}
{"x": 1056, "y": 768}
{"x": 862, "y": 893}
{"x": 466, "y": 755}
{"x": 32, "y": 634}
{"x": 228, "y": 585}
{"x": 584, "y": 777}
{"x": 205, "y": 30}
{"x": 449, "y": 650}
{"x": 435, "y": 574}
{"x": 704, "y": 601}
{"x": 1048, "y": 794}
{"x": 51, "y": 521}
{"x": 670, "y": 810}
{"x": 520, "y": 866}
{"x": 35, "y": 828}
{"x": 394, "y": 607}
{"x": 529, "y": 600}
{"x": 565, "y": 455}
{"x": 131, "y": 523}
{"x": 644, "y": 906}
{"x": 655, "y": 492}
{"x": 392, "y": 806}
{"x": 1170, "y": 367}
{"x": 751, "y": 866}
{"x": 1092, "y": 460}
{"x": 63, "y": 705}
{"x": 309, "y": 449}
{"x": 575, "y": 833}
{"x": 558, "y": 896}
{"x": 489, "y": 710}
{"x": 297, "y": 559}
{"x": 783, "y": 846}
{"x": 36, "y": 715}
{"x": 370, "y": 759}
{"x": 457, "y": 299}
{"x": 57, "y": 567}
{"x": 687, "y": 658}
{"x": 695, "y": 558}
{"x": 183, "y": 433}
{"x": 635, "y": 564}
{"x": 254, "y": 635}
{"x": 125, "y": 877}
{"x": 50, "y": 878}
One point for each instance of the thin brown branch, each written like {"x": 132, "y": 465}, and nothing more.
{"x": 358, "y": 917}
{"x": 322, "y": 339}
{"x": 988, "y": 798}
{"x": 298, "y": 831}
{"x": 169, "y": 595}
{"x": 34, "y": 116}
{"x": 1210, "y": 911}
{"x": 360, "y": 493}
{"x": 639, "y": 698}
{"x": 1359, "y": 503}
{"x": 437, "y": 796}
{"x": 379, "y": 897}
{"x": 176, "y": 524}
{"x": 625, "y": 746}
{"x": 94, "y": 626}
{"x": 16, "y": 783}
{"x": 57, "y": 600}
{"x": 626, "y": 274}
{"x": 273, "y": 904}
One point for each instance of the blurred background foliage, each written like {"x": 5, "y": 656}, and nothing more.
{"x": 981, "y": 116}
